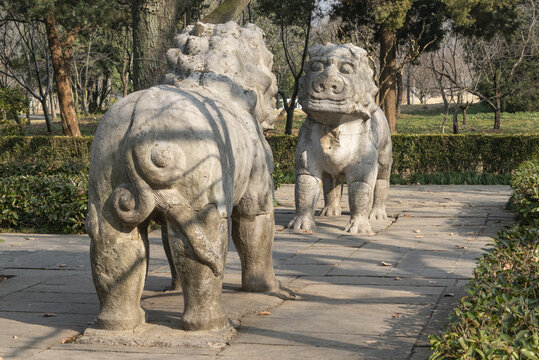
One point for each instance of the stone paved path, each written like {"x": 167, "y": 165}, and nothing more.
{"x": 363, "y": 297}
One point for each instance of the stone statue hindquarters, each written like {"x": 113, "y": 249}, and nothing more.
{"x": 191, "y": 155}
{"x": 345, "y": 137}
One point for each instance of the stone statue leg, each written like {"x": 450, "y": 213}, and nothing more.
{"x": 119, "y": 265}
{"x": 332, "y": 186}
{"x": 380, "y": 194}
{"x": 175, "y": 279}
{"x": 361, "y": 180}
{"x": 201, "y": 281}
{"x": 306, "y": 193}
{"x": 252, "y": 232}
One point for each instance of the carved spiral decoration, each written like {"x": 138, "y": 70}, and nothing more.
{"x": 161, "y": 156}
{"x": 130, "y": 207}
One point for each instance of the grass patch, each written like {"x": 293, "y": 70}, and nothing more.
{"x": 428, "y": 119}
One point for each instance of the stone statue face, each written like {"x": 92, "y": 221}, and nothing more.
{"x": 338, "y": 80}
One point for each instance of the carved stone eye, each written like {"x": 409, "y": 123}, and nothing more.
{"x": 346, "y": 68}
{"x": 317, "y": 66}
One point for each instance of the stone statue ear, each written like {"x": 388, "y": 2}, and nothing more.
{"x": 356, "y": 51}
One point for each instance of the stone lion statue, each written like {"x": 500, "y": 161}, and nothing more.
{"x": 345, "y": 137}
{"x": 191, "y": 155}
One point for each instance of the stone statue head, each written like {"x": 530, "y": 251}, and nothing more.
{"x": 230, "y": 60}
{"x": 338, "y": 80}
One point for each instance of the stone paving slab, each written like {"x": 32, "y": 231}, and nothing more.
{"x": 360, "y": 296}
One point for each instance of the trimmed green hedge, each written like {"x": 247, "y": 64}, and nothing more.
{"x": 412, "y": 154}
{"x": 430, "y": 154}
{"x": 500, "y": 317}
{"x": 49, "y": 204}
{"x": 525, "y": 199}
{"x": 37, "y": 174}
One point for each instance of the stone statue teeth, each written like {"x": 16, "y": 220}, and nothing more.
{"x": 191, "y": 155}
{"x": 345, "y": 137}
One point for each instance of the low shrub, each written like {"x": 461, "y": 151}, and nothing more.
{"x": 47, "y": 204}
{"x": 525, "y": 184}
{"x": 500, "y": 317}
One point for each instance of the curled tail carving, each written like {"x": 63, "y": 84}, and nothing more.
{"x": 133, "y": 202}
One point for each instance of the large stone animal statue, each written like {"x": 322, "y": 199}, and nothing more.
{"x": 191, "y": 155}
{"x": 345, "y": 137}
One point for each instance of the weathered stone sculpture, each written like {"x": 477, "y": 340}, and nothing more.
{"x": 345, "y": 137}
{"x": 190, "y": 154}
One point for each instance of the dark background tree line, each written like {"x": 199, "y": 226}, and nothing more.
{"x": 82, "y": 55}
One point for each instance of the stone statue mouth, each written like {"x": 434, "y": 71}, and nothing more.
{"x": 326, "y": 101}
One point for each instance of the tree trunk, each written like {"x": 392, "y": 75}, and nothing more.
{"x": 53, "y": 111}
{"x": 497, "y": 114}
{"x": 228, "y": 10}
{"x": 408, "y": 87}
{"x": 464, "y": 111}
{"x": 400, "y": 93}
{"x": 46, "y": 112}
{"x": 289, "y": 119}
{"x": 61, "y": 63}
{"x": 388, "y": 83}
{"x": 455, "y": 123}
{"x": 155, "y": 23}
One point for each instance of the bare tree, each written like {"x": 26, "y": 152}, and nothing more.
{"x": 26, "y": 60}
{"x": 496, "y": 61}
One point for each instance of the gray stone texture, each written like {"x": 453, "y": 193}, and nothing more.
{"x": 190, "y": 155}
{"x": 344, "y": 138}
{"x": 347, "y": 305}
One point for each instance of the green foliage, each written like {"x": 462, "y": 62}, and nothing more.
{"x": 53, "y": 170}
{"x": 72, "y": 14}
{"x": 429, "y": 154}
{"x": 52, "y": 204}
{"x": 500, "y": 317}
{"x": 525, "y": 184}
{"x": 439, "y": 154}
{"x": 45, "y": 149}
{"x": 12, "y": 102}
{"x": 284, "y": 152}
{"x": 483, "y": 17}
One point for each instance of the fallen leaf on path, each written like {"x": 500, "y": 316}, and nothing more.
{"x": 451, "y": 234}
{"x": 406, "y": 215}
{"x": 461, "y": 247}
{"x": 217, "y": 345}
{"x": 62, "y": 265}
{"x": 48, "y": 314}
{"x": 264, "y": 313}
{"x": 396, "y": 315}
{"x": 15, "y": 337}
{"x": 417, "y": 230}
{"x": 383, "y": 263}
{"x": 419, "y": 237}
{"x": 69, "y": 339}
{"x": 397, "y": 278}
{"x": 29, "y": 238}
{"x": 371, "y": 342}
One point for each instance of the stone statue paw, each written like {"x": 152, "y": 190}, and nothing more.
{"x": 378, "y": 214}
{"x": 331, "y": 210}
{"x": 302, "y": 223}
{"x": 359, "y": 225}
